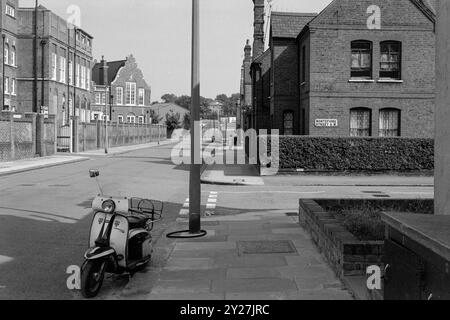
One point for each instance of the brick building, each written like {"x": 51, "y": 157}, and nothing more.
{"x": 55, "y": 76}
{"x": 120, "y": 87}
{"x": 333, "y": 74}
{"x": 9, "y": 67}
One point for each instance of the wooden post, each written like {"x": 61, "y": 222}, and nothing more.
{"x": 442, "y": 149}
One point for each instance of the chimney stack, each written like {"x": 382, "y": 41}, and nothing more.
{"x": 104, "y": 72}
{"x": 258, "y": 41}
{"x": 248, "y": 51}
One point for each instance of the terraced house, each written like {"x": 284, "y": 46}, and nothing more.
{"x": 358, "y": 68}
{"x": 121, "y": 93}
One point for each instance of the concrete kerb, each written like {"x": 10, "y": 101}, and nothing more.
{"x": 44, "y": 166}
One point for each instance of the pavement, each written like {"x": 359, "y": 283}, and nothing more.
{"x": 255, "y": 248}
{"x": 248, "y": 175}
{"x": 125, "y": 149}
{"x": 259, "y": 255}
{"x": 7, "y": 168}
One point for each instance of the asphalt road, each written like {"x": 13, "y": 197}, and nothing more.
{"x": 45, "y": 216}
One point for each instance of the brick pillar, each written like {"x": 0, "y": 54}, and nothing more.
{"x": 40, "y": 143}
{"x": 76, "y": 129}
{"x": 442, "y": 152}
{"x": 32, "y": 117}
{"x": 98, "y": 134}
{"x": 12, "y": 140}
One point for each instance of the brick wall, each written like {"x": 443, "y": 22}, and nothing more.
{"x": 26, "y": 137}
{"x": 285, "y": 95}
{"x": 330, "y": 94}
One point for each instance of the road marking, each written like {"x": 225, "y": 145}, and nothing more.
{"x": 5, "y": 259}
{"x": 212, "y": 203}
{"x": 282, "y": 192}
{"x": 36, "y": 215}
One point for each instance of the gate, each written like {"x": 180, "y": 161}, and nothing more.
{"x": 63, "y": 138}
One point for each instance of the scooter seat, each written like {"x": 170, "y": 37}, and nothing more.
{"x": 137, "y": 222}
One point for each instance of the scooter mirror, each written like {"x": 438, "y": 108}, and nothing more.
{"x": 94, "y": 173}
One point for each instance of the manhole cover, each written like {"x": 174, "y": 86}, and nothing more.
{"x": 265, "y": 247}
{"x": 292, "y": 214}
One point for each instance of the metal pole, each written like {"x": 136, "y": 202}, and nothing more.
{"x": 35, "y": 59}
{"x": 106, "y": 118}
{"x": 195, "y": 183}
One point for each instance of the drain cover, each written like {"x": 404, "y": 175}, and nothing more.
{"x": 381, "y": 196}
{"x": 265, "y": 247}
{"x": 292, "y": 214}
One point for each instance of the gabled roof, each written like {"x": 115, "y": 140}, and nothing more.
{"x": 113, "y": 70}
{"x": 289, "y": 24}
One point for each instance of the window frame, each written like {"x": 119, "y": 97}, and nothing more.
{"x": 13, "y": 56}
{"x": 286, "y": 112}
{"x": 119, "y": 102}
{"x": 132, "y": 93}
{"x": 370, "y": 128}
{"x": 120, "y": 118}
{"x": 399, "y": 122}
{"x": 10, "y": 10}
{"x": 353, "y": 72}
{"x": 141, "y": 94}
{"x": 6, "y": 54}
{"x": 399, "y": 62}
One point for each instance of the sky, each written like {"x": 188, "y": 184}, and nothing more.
{"x": 158, "y": 34}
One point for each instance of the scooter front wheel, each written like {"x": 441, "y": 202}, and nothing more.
{"x": 92, "y": 278}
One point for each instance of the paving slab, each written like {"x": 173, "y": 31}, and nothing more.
{"x": 253, "y": 273}
{"x": 253, "y": 261}
{"x": 190, "y": 286}
{"x": 189, "y": 263}
{"x": 253, "y": 285}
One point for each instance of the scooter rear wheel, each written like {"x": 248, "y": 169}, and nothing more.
{"x": 92, "y": 278}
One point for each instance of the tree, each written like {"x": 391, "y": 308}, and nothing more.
{"x": 169, "y": 98}
{"x": 156, "y": 119}
{"x": 229, "y": 103}
{"x": 187, "y": 121}
{"x": 173, "y": 121}
{"x": 184, "y": 101}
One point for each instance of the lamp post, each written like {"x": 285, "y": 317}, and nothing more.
{"x": 106, "y": 118}
{"x": 195, "y": 183}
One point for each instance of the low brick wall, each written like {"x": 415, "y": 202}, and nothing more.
{"x": 346, "y": 254}
{"x": 24, "y": 136}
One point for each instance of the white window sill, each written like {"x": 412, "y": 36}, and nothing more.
{"x": 389, "y": 81}
{"x": 302, "y": 84}
{"x": 361, "y": 80}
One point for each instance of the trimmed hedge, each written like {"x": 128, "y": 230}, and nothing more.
{"x": 355, "y": 154}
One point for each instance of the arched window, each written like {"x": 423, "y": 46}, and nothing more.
{"x": 120, "y": 118}
{"x": 361, "y": 65}
{"x": 390, "y": 60}
{"x": 288, "y": 123}
{"x": 390, "y": 122}
{"x": 6, "y": 53}
{"x": 360, "y": 122}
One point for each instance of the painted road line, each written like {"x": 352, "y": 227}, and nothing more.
{"x": 5, "y": 259}
{"x": 212, "y": 203}
{"x": 281, "y": 192}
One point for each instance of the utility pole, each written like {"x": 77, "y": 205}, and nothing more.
{"x": 195, "y": 183}
{"x": 106, "y": 118}
{"x": 35, "y": 59}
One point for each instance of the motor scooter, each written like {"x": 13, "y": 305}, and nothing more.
{"x": 120, "y": 238}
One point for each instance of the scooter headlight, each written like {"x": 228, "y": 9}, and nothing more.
{"x": 108, "y": 206}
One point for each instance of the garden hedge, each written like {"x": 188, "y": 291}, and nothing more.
{"x": 354, "y": 154}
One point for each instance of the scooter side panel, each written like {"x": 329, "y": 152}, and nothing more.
{"x": 96, "y": 227}
{"x": 119, "y": 238}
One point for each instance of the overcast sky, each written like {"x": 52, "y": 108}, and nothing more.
{"x": 158, "y": 33}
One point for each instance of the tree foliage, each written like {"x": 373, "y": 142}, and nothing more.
{"x": 173, "y": 121}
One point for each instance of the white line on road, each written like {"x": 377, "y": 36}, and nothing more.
{"x": 5, "y": 259}
{"x": 285, "y": 192}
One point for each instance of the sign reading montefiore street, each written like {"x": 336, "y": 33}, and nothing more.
{"x": 326, "y": 123}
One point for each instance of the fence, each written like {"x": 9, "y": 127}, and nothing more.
{"x": 91, "y": 136}
{"x": 26, "y": 136}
